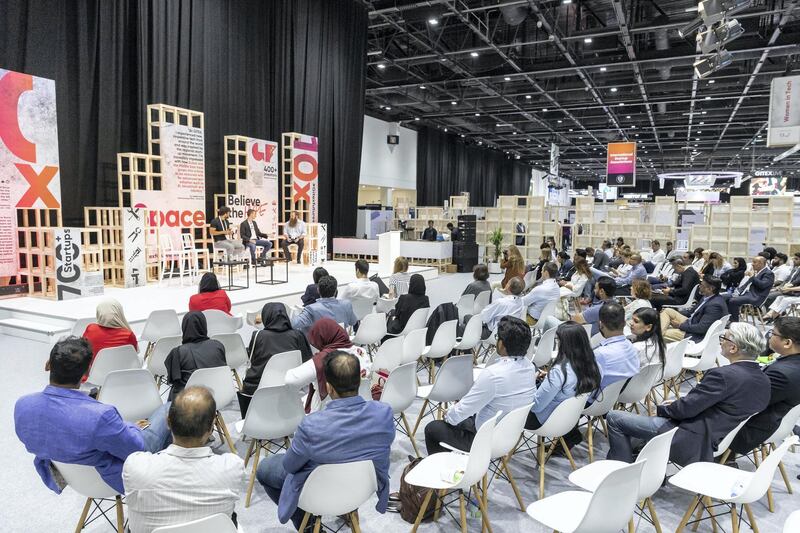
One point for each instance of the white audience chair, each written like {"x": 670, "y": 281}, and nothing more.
{"x": 160, "y": 323}
{"x": 442, "y": 344}
{"x": 413, "y": 345}
{"x": 734, "y": 488}
{"x": 216, "y": 523}
{"x": 597, "y": 411}
{"x": 221, "y": 322}
{"x": 272, "y": 416}
{"x": 689, "y": 302}
{"x": 465, "y": 305}
{"x": 545, "y": 353}
{"x": 655, "y": 455}
{"x": 156, "y": 363}
{"x": 471, "y": 336}
{"x": 80, "y": 326}
{"x": 235, "y": 353}
{"x": 275, "y": 370}
{"x": 722, "y": 448}
{"x": 322, "y": 493}
{"x": 251, "y": 316}
{"x": 606, "y": 510}
{"x": 475, "y": 464}
{"x": 400, "y": 391}
{"x": 132, "y": 392}
{"x": 529, "y": 279}
{"x": 792, "y": 524}
{"x": 673, "y": 364}
{"x": 365, "y": 389}
{"x": 218, "y": 381}
{"x": 711, "y": 335}
{"x": 110, "y": 359}
{"x": 788, "y": 422}
{"x": 706, "y": 361}
{"x": 87, "y": 482}
{"x": 452, "y": 383}
{"x": 389, "y": 355}
{"x": 370, "y": 331}
{"x": 505, "y": 436}
{"x": 362, "y": 307}
{"x": 639, "y": 387}
{"x": 384, "y": 305}
{"x": 481, "y": 301}
{"x": 417, "y": 320}
{"x": 548, "y": 311}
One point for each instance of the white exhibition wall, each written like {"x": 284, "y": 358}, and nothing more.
{"x": 385, "y": 165}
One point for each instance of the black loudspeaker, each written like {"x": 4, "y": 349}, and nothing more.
{"x": 467, "y": 224}
{"x": 465, "y": 256}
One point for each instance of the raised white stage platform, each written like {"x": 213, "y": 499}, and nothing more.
{"x": 45, "y": 320}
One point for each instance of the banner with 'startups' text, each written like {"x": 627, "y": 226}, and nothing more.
{"x": 305, "y": 174}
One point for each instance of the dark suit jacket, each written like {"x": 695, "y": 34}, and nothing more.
{"x": 429, "y": 234}
{"x": 244, "y": 232}
{"x": 684, "y": 285}
{"x": 701, "y": 318}
{"x": 726, "y": 396}
{"x": 565, "y": 269}
{"x": 600, "y": 260}
{"x": 784, "y": 378}
{"x": 756, "y": 289}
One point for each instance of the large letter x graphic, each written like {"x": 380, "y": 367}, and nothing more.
{"x": 38, "y": 186}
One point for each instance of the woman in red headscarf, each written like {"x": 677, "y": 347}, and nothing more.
{"x": 326, "y": 336}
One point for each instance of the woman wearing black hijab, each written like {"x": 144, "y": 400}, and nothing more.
{"x": 276, "y": 337}
{"x": 197, "y": 351}
{"x": 733, "y": 277}
{"x": 407, "y": 304}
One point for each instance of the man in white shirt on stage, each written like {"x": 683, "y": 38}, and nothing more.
{"x": 186, "y": 481}
{"x": 294, "y": 232}
{"x": 362, "y": 288}
{"x": 544, "y": 293}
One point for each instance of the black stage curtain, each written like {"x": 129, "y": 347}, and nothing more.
{"x": 446, "y": 166}
{"x": 254, "y": 68}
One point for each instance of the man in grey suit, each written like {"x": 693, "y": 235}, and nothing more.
{"x": 753, "y": 291}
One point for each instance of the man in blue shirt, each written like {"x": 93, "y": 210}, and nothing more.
{"x": 604, "y": 291}
{"x": 65, "y": 425}
{"x": 327, "y": 305}
{"x": 637, "y": 271}
{"x": 616, "y": 357}
{"x": 350, "y": 429}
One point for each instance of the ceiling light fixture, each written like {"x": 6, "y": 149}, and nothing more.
{"x": 381, "y": 66}
{"x": 474, "y": 54}
{"x": 707, "y": 66}
{"x": 433, "y": 22}
{"x": 602, "y": 69}
{"x": 613, "y": 89}
{"x": 422, "y": 87}
{"x": 527, "y": 97}
{"x": 477, "y": 114}
{"x": 453, "y": 102}
{"x": 507, "y": 78}
{"x": 416, "y": 118}
{"x": 587, "y": 40}
{"x": 544, "y": 110}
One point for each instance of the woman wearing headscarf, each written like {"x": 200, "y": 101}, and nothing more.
{"x": 276, "y": 337}
{"x": 733, "y": 277}
{"x": 407, "y": 304}
{"x": 196, "y": 351}
{"x": 210, "y": 296}
{"x": 111, "y": 328}
{"x": 326, "y": 336}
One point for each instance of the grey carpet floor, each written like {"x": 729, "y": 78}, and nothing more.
{"x": 28, "y": 506}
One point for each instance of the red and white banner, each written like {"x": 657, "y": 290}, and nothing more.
{"x": 29, "y": 172}
{"x": 305, "y": 174}
{"x": 784, "y": 112}
{"x": 260, "y": 190}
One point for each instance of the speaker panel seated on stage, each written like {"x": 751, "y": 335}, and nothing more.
{"x": 294, "y": 232}
{"x": 252, "y": 236}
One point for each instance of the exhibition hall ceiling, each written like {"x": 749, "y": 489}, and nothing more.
{"x": 518, "y": 75}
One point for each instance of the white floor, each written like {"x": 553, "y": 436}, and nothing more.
{"x": 27, "y": 506}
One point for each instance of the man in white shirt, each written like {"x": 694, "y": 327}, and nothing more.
{"x": 547, "y": 291}
{"x": 362, "y": 288}
{"x": 508, "y": 384}
{"x": 781, "y": 268}
{"x": 186, "y": 481}
{"x": 294, "y": 232}
{"x": 658, "y": 255}
{"x": 510, "y": 305}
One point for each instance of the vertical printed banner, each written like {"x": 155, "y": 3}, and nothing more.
{"x": 29, "y": 171}
{"x": 555, "y": 159}
{"x": 260, "y": 190}
{"x": 784, "y": 112}
{"x": 134, "y": 247}
{"x": 305, "y": 174}
{"x": 621, "y": 165}
{"x": 319, "y": 254}
{"x": 71, "y": 280}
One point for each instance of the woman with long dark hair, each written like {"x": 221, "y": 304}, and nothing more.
{"x": 646, "y": 336}
{"x": 733, "y": 277}
{"x": 574, "y": 372}
{"x": 210, "y": 295}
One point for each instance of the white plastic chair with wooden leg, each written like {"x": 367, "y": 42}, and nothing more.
{"x": 442, "y": 344}
{"x": 156, "y": 363}
{"x": 639, "y": 387}
{"x": 275, "y": 370}
{"x": 111, "y": 359}
{"x": 87, "y": 482}
{"x": 481, "y": 301}
{"x": 400, "y": 391}
{"x": 216, "y": 523}
{"x": 465, "y": 305}
{"x": 218, "y": 381}
{"x": 322, "y": 493}
{"x": 504, "y": 437}
{"x": 452, "y": 383}
{"x": 598, "y": 409}
{"x": 788, "y": 422}
{"x": 235, "y": 353}
{"x": 160, "y": 323}
{"x": 673, "y": 364}
{"x": 370, "y": 331}
{"x": 132, "y": 392}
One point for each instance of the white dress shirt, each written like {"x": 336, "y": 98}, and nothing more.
{"x": 506, "y": 385}
{"x": 540, "y": 296}
{"x": 179, "y": 485}
{"x": 578, "y": 282}
{"x": 360, "y": 289}
{"x": 782, "y": 272}
{"x": 658, "y": 257}
{"x": 508, "y": 305}
{"x": 609, "y": 252}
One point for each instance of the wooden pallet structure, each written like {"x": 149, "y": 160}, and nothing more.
{"x": 288, "y": 205}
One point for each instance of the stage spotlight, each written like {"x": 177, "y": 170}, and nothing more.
{"x": 690, "y": 28}
{"x": 706, "y": 66}
{"x": 716, "y": 37}
{"x": 713, "y": 11}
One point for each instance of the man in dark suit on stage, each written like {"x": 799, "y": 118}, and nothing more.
{"x": 694, "y": 324}
{"x": 753, "y": 291}
{"x": 679, "y": 293}
{"x": 726, "y": 396}
{"x": 252, "y": 236}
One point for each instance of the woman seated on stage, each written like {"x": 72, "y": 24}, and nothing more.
{"x": 647, "y": 338}
{"x": 110, "y": 330}
{"x": 641, "y": 292}
{"x": 574, "y": 372}
{"x": 326, "y": 336}
{"x": 276, "y": 337}
{"x": 407, "y": 304}
{"x": 312, "y": 292}
{"x": 399, "y": 279}
{"x": 210, "y": 296}
{"x": 196, "y": 351}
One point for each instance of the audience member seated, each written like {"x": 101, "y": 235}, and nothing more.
{"x": 789, "y": 289}
{"x": 545, "y": 256}
{"x": 681, "y": 288}
{"x": 398, "y": 281}
{"x": 110, "y": 330}
{"x": 697, "y": 260}
{"x": 327, "y": 305}
{"x": 362, "y": 288}
{"x": 505, "y": 385}
{"x": 604, "y": 291}
{"x": 781, "y": 268}
{"x": 753, "y": 290}
{"x": 430, "y": 232}
{"x": 187, "y": 480}
{"x": 600, "y": 259}
{"x": 276, "y": 337}
{"x": 196, "y": 351}
{"x": 579, "y": 253}
{"x": 646, "y": 337}
{"x": 65, "y": 425}
{"x": 574, "y": 288}
{"x": 715, "y": 265}
{"x": 672, "y": 253}
{"x": 311, "y": 294}
{"x": 551, "y": 243}
{"x": 350, "y": 429}
{"x": 514, "y": 265}
{"x": 784, "y": 376}
{"x": 573, "y": 372}
{"x": 733, "y": 277}
{"x": 657, "y": 255}
{"x": 616, "y": 356}
{"x": 636, "y": 271}
{"x": 252, "y": 236}
{"x": 480, "y": 283}
{"x": 294, "y": 232}
{"x": 544, "y": 293}
{"x": 695, "y": 323}
{"x": 717, "y": 404}
{"x": 509, "y": 305}
{"x": 641, "y": 292}
{"x": 564, "y": 264}
{"x": 619, "y": 262}
{"x": 326, "y": 336}
{"x": 407, "y": 304}
{"x": 607, "y": 248}
{"x": 210, "y": 296}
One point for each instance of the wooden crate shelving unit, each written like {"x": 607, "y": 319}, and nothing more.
{"x": 108, "y": 221}
{"x": 160, "y": 114}
{"x": 637, "y": 224}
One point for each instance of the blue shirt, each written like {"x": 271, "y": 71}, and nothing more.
{"x": 68, "y": 426}
{"x": 592, "y": 315}
{"x": 636, "y": 272}
{"x": 617, "y": 358}
{"x": 339, "y": 310}
{"x": 347, "y": 430}
{"x": 555, "y": 388}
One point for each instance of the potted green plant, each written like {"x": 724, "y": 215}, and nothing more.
{"x": 496, "y": 239}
